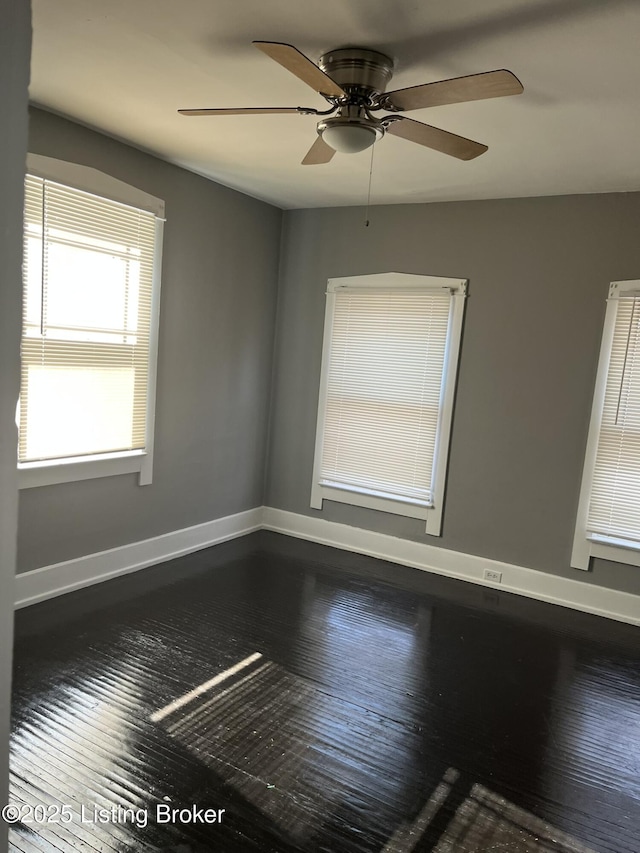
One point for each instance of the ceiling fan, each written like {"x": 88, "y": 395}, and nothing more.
{"x": 353, "y": 81}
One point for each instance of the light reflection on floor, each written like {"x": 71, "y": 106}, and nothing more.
{"x": 357, "y": 642}
{"x": 486, "y": 821}
{"x": 71, "y": 746}
{"x": 594, "y": 736}
{"x": 269, "y": 734}
{"x": 603, "y": 720}
{"x": 279, "y": 740}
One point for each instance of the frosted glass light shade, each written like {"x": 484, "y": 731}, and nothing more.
{"x": 349, "y": 138}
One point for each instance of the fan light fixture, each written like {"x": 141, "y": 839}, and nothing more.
{"x": 353, "y": 80}
{"x": 351, "y": 130}
{"x": 349, "y": 138}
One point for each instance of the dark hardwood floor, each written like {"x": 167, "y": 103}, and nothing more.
{"x": 274, "y": 695}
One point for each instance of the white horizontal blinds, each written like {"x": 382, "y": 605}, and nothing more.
{"x": 385, "y": 376}
{"x": 614, "y": 508}
{"x": 88, "y": 270}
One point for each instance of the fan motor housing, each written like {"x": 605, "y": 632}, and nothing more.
{"x": 359, "y": 71}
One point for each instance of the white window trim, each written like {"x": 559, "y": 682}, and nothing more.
{"x": 585, "y": 544}
{"x": 92, "y": 181}
{"x": 358, "y": 497}
{"x": 71, "y": 469}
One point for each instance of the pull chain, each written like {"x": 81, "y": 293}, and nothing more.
{"x": 366, "y": 215}
{"x": 624, "y": 364}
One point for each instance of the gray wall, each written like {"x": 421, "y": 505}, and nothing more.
{"x": 538, "y": 273}
{"x": 219, "y": 285}
{"x": 15, "y": 49}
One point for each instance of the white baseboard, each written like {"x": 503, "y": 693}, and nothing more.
{"x": 49, "y": 581}
{"x": 576, "y": 594}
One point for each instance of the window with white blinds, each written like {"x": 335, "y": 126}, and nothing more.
{"x": 609, "y": 514}
{"x": 88, "y": 322}
{"x": 389, "y": 363}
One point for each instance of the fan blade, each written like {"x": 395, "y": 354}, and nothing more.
{"x": 475, "y": 87}
{"x": 297, "y": 63}
{"x": 242, "y": 111}
{"x": 433, "y": 137}
{"x": 319, "y": 153}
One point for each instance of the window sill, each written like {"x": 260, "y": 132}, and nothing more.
{"x": 369, "y": 501}
{"x": 604, "y": 548}
{"x": 616, "y": 550}
{"x": 69, "y": 470}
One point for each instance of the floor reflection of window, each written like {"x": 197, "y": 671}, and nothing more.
{"x": 596, "y": 714}
{"x": 319, "y": 736}
{"x": 293, "y": 750}
{"x": 360, "y": 640}
{"x": 73, "y": 750}
{"x": 605, "y": 721}
{"x": 486, "y": 821}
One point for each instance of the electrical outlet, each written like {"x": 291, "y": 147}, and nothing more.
{"x": 494, "y": 577}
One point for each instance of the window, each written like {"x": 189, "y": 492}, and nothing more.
{"x": 90, "y": 315}
{"x": 608, "y": 523}
{"x": 390, "y": 355}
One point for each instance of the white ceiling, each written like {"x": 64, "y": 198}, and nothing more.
{"x": 126, "y": 66}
